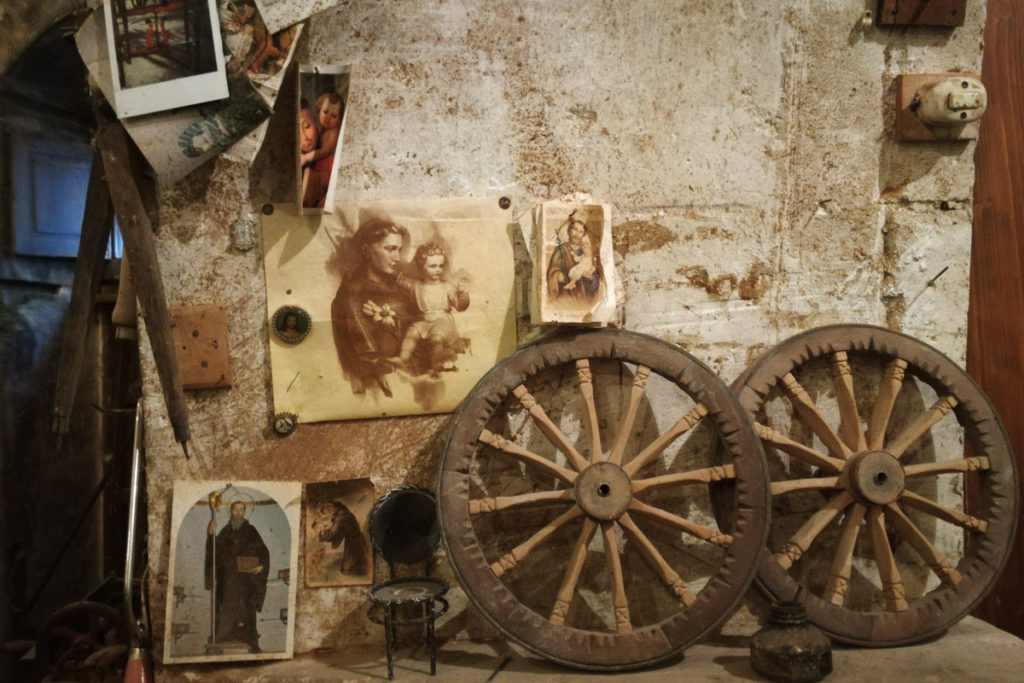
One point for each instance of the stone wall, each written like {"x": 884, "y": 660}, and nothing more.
{"x": 746, "y": 145}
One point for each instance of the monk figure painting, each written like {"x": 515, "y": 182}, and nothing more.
{"x": 233, "y": 555}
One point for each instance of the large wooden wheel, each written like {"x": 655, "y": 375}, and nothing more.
{"x": 874, "y": 442}
{"x": 575, "y": 497}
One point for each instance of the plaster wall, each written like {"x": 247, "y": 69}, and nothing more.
{"x": 747, "y": 146}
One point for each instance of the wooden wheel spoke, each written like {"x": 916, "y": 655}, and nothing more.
{"x": 892, "y": 382}
{"x": 526, "y": 457}
{"x": 511, "y": 559}
{"x": 780, "y": 487}
{"x": 480, "y": 505}
{"x": 560, "y": 611}
{"x": 586, "y": 384}
{"x": 962, "y": 465}
{"x": 892, "y": 583}
{"x": 700, "y": 531}
{"x": 798, "y": 544}
{"x": 704, "y": 475}
{"x": 629, "y": 416}
{"x": 935, "y": 558}
{"x": 799, "y": 451}
{"x": 932, "y": 508}
{"x": 657, "y": 562}
{"x": 807, "y": 411}
{"x": 839, "y": 575}
{"x": 653, "y": 450}
{"x": 916, "y": 429}
{"x": 549, "y": 428}
{"x": 619, "y": 602}
{"x": 842, "y": 379}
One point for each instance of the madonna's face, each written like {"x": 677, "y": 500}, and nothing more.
{"x": 383, "y": 256}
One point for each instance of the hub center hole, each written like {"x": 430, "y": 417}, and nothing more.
{"x": 881, "y": 478}
{"x": 603, "y": 490}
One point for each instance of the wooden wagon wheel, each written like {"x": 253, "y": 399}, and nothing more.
{"x": 574, "y": 495}
{"x": 874, "y": 442}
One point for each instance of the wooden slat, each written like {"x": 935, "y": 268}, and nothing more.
{"x": 995, "y": 329}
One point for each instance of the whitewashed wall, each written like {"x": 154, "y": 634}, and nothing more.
{"x": 746, "y": 144}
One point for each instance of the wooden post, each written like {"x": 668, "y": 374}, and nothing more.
{"x": 137, "y": 232}
{"x": 96, "y": 224}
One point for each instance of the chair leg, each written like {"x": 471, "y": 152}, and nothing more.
{"x": 430, "y": 637}
{"x": 389, "y": 638}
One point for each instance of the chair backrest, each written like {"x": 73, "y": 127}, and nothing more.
{"x": 404, "y": 528}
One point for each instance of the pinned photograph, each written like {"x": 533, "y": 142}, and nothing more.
{"x": 164, "y": 54}
{"x": 412, "y": 302}
{"x": 323, "y": 95}
{"x": 337, "y": 547}
{"x": 574, "y": 272}
{"x": 231, "y": 592}
{"x": 262, "y": 54}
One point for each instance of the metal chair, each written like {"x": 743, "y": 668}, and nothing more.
{"x": 404, "y": 530}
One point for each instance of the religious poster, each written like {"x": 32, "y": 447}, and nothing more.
{"x": 323, "y": 101}
{"x": 231, "y": 582}
{"x": 163, "y": 55}
{"x": 573, "y": 265}
{"x": 337, "y": 549}
{"x": 411, "y": 302}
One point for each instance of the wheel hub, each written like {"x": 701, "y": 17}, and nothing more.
{"x": 876, "y": 477}
{"x": 604, "y": 491}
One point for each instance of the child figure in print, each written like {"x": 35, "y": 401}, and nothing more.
{"x": 433, "y": 334}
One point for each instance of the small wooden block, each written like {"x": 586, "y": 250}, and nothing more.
{"x": 909, "y": 127}
{"x": 922, "y": 12}
{"x": 201, "y": 345}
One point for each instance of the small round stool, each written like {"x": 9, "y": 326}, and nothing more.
{"x": 421, "y": 590}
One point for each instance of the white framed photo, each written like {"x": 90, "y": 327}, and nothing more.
{"x": 164, "y": 55}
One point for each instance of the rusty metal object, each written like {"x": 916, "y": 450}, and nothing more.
{"x": 112, "y": 142}
{"x": 789, "y": 649}
{"x": 867, "y": 482}
{"x": 97, "y": 222}
{"x": 527, "y": 508}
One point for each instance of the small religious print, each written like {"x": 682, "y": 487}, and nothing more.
{"x": 574, "y": 272}
{"x": 412, "y": 302}
{"x": 337, "y": 547}
{"x": 164, "y": 55}
{"x": 291, "y": 324}
{"x": 234, "y": 550}
{"x": 323, "y": 98}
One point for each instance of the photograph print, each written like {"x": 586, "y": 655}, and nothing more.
{"x": 574, "y": 271}
{"x": 323, "y": 96}
{"x": 164, "y": 54}
{"x": 337, "y": 546}
{"x": 231, "y": 592}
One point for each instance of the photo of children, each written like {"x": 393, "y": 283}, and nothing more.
{"x": 322, "y": 95}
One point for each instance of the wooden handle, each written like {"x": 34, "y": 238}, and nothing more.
{"x": 96, "y": 223}
{"x": 125, "y": 310}
{"x": 112, "y": 143}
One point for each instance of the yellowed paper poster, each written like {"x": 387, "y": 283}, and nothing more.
{"x": 410, "y": 303}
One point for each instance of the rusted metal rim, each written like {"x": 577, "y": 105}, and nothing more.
{"x": 873, "y": 504}
{"x": 548, "y": 636}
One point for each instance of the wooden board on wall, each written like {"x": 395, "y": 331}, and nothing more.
{"x": 201, "y": 345}
{"x": 995, "y": 336}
